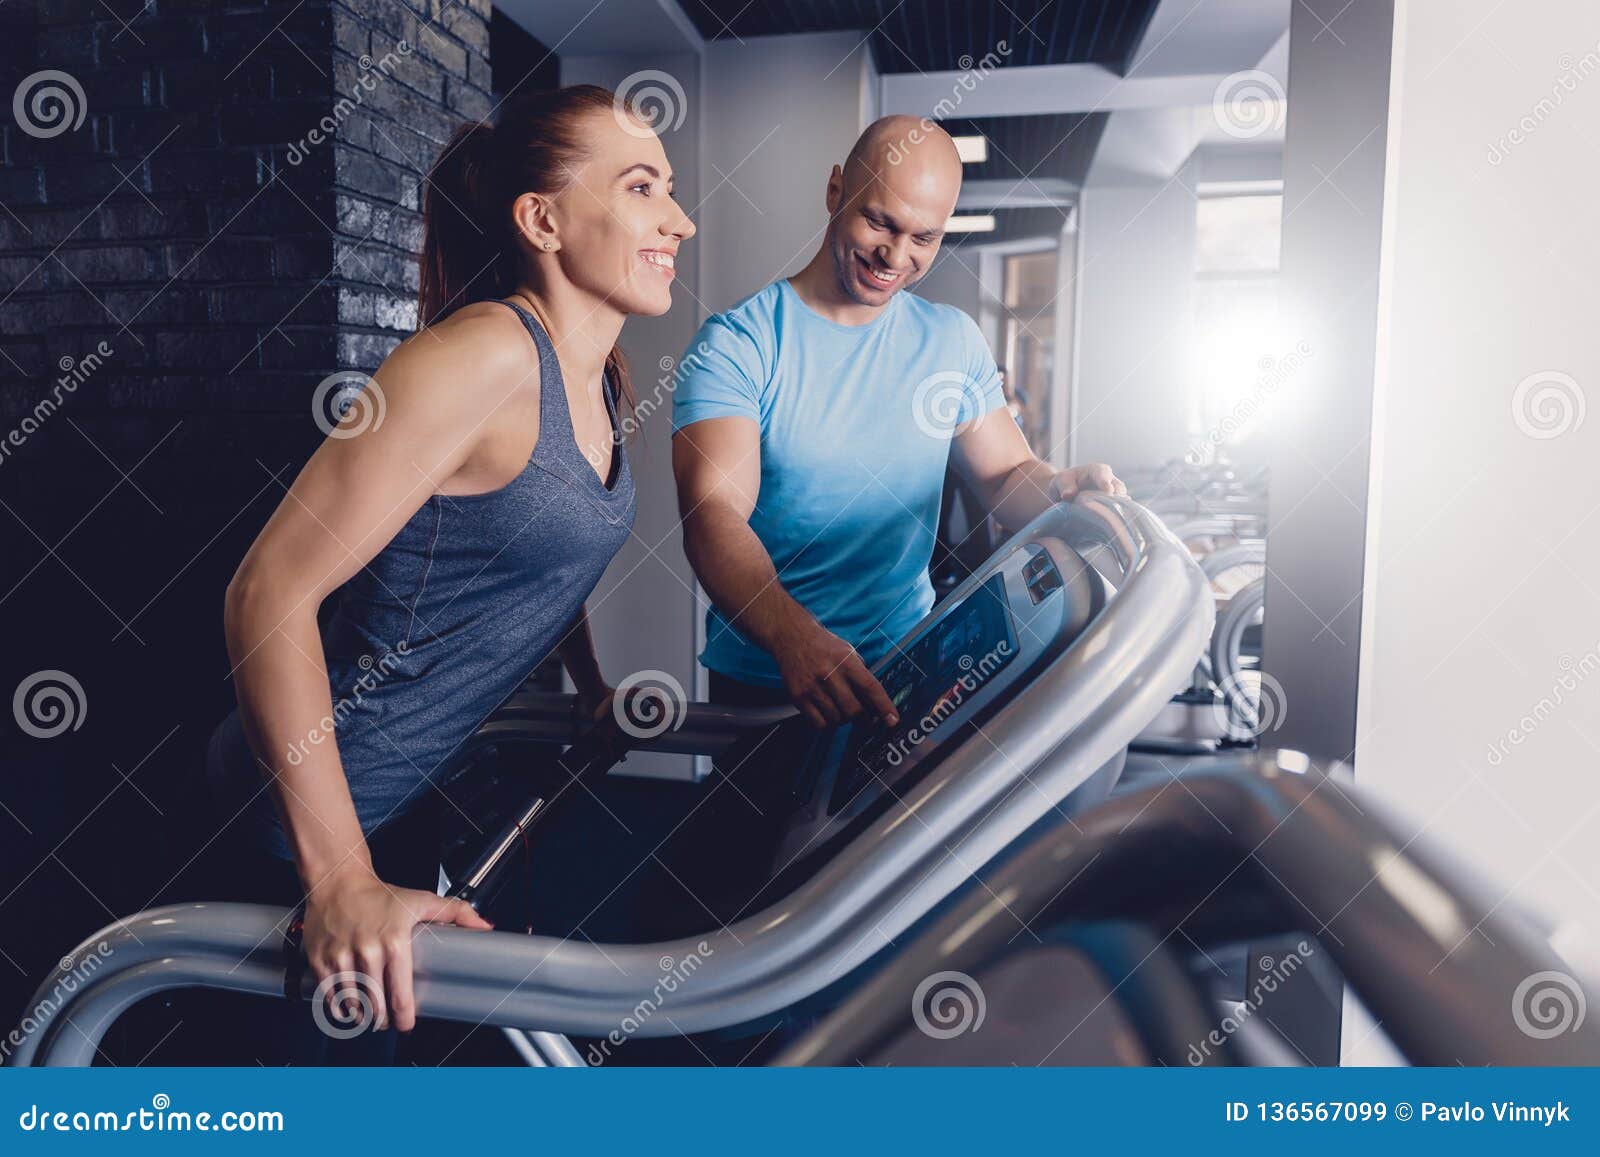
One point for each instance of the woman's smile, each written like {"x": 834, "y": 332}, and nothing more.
{"x": 663, "y": 260}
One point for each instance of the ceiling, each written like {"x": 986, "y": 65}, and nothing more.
{"x": 913, "y": 36}
{"x": 1032, "y": 158}
{"x": 1056, "y": 145}
{"x": 1015, "y": 225}
{"x": 944, "y": 35}
{"x": 1028, "y": 150}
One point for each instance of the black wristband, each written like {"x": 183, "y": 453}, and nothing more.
{"x": 294, "y": 957}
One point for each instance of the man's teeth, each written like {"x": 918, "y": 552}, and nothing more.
{"x": 885, "y": 277}
{"x": 664, "y": 260}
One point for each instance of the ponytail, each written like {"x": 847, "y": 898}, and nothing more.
{"x": 464, "y": 258}
{"x": 621, "y": 381}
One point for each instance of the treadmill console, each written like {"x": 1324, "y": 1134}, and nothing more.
{"x": 972, "y": 654}
{"x": 929, "y": 682}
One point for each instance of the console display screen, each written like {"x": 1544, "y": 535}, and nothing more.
{"x": 929, "y": 682}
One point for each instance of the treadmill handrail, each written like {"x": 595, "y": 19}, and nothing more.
{"x": 1108, "y": 685}
{"x": 695, "y": 728}
{"x": 1433, "y": 950}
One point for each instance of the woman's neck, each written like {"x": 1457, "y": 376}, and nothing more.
{"x": 582, "y": 330}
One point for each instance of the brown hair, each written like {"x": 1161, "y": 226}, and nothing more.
{"x": 468, "y": 250}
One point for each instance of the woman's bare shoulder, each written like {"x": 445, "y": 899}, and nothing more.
{"x": 480, "y": 348}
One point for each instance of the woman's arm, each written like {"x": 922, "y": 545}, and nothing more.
{"x": 576, "y": 652}
{"x": 439, "y": 391}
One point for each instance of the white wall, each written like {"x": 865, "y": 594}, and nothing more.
{"x": 642, "y": 612}
{"x": 778, "y": 114}
{"x": 955, "y": 279}
{"x": 1483, "y": 550}
{"x": 1135, "y": 295}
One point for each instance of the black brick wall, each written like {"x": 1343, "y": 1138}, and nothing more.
{"x": 404, "y": 77}
{"x": 228, "y": 264}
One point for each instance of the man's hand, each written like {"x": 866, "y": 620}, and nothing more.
{"x": 1012, "y": 483}
{"x": 827, "y": 679}
{"x": 1068, "y": 483}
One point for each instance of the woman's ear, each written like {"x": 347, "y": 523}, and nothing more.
{"x": 534, "y": 222}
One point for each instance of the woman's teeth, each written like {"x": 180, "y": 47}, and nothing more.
{"x": 660, "y": 260}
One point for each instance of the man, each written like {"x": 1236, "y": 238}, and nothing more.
{"x": 812, "y": 426}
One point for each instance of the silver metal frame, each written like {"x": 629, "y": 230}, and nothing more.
{"x": 1077, "y": 717}
{"x": 1227, "y": 644}
{"x": 1433, "y": 949}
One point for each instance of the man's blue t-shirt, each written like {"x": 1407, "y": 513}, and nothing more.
{"x": 856, "y": 424}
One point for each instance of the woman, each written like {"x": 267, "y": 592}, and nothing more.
{"x": 464, "y": 508}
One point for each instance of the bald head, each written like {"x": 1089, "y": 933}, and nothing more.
{"x": 913, "y": 149}
{"x": 887, "y": 209}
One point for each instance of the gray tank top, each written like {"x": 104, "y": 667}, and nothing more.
{"x": 448, "y": 620}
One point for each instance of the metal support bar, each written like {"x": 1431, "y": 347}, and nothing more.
{"x": 1433, "y": 950}
{"x": 1126, "y": 663}
{"x": 544, "y": 1050}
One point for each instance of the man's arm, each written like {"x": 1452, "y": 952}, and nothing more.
{"x": 717, "y": 463}
{"x": 1014, "y": 485}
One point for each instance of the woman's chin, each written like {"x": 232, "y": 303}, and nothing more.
{"x": 642, "y": 300}
{"x": 651, "y": 305}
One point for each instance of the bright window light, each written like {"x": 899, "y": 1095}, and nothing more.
{"x": 970, "y": 223}
{"x": 972, "y": 150}
{"x": 1237, "y": 234}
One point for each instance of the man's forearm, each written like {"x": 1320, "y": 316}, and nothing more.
{"x": 737, "y": 573}
{"x": 1023, "y": 494}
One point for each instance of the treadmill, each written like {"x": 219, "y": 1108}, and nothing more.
{"x": 1018, "y": 696}
{"x": 1105, "y": 950}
